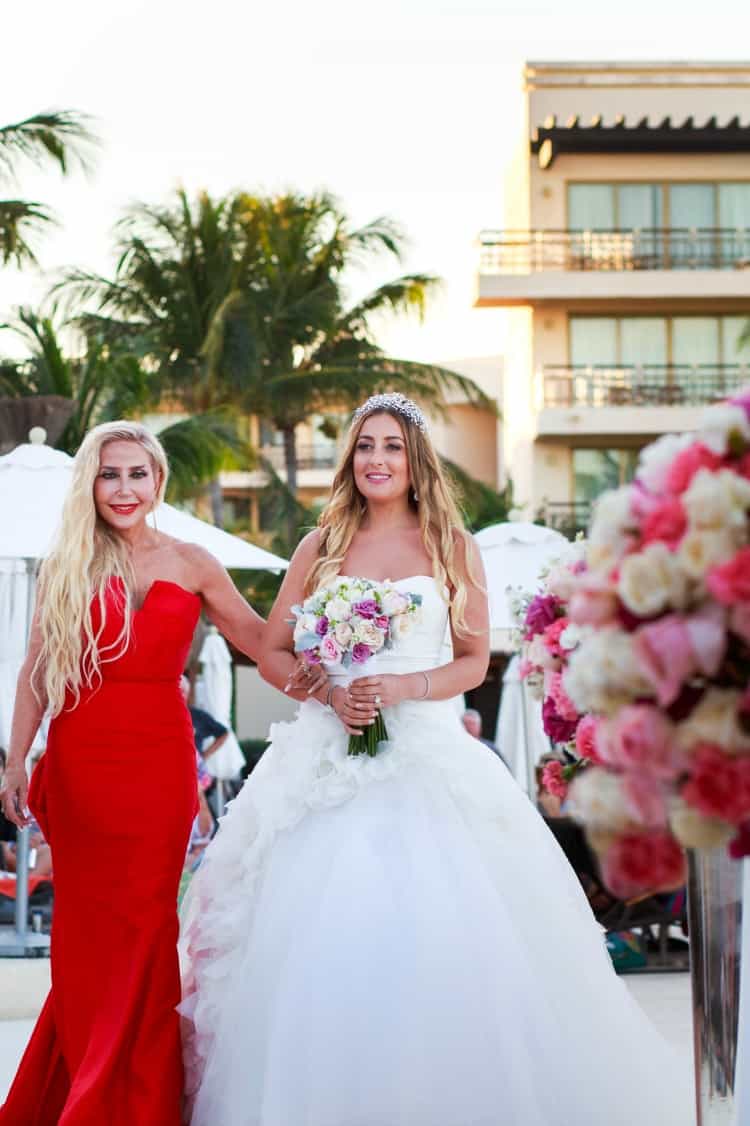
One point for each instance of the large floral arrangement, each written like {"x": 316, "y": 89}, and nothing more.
{"x": 346, "y": 624}
{"x": 663, "y": 663}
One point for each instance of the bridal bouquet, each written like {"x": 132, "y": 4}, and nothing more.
{"x": 662, "y": 668}
{"x": 346, "y": 624}
{"x": 548, "y": 640}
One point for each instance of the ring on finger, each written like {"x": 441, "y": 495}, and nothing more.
{"x": 377, "y": 701}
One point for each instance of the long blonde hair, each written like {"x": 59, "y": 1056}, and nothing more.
{"x": 86, "y": 556}
{"x": 430, "y": 496}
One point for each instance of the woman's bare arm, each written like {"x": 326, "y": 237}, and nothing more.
{"x": 224, "y": 605}
{"x": 27, "y": 715}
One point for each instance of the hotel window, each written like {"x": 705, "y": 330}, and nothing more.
{"x": 673, "y": 350}
{"x": 595, "y": 470}
{"x": 713, "y": 218}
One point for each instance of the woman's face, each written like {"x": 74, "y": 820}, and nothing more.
{"x": 125, "y": 486}
{"x": 381, "y": 463}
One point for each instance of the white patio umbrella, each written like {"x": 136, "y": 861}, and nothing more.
{"x": 214, "y": 695}
{"x": 514, "y": 556}
{"x": 34, "y": 480}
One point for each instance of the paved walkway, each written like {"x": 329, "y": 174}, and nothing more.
{"x": 24, "y": 984}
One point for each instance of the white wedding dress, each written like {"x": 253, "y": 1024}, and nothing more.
{"x": 399, "y": 941}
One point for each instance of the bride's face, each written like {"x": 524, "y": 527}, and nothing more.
{"x": 125, "y": 487}
{"x": 381, "y": 463}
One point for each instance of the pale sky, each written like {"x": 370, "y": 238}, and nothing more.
{"x": 407, "y": 108}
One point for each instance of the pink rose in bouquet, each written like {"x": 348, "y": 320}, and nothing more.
{"x": 553, "y": 779}
{"x": 638, "y": 860}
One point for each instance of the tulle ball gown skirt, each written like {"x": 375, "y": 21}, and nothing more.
{"x": 399, "y": 941}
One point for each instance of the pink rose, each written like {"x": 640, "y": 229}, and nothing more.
{"x": 644, "y": 800}
{"x": 637, "y": 862}
{"x": 664, "y": 652}
{"x": 730, "y": 582}
{"x": 559, "y": 730}
{"x": 382, "y": 622}
{"x": 330, "y": 650}
{"x": 564, "y": 706}
{"x": 586, "y": 739}
{"x": 641, "y": 738}
{"x": 593, "y": 602}
{"x": 687, "y": 463}
{"x": 551, "y": 637}
{"x": 541, "y": 612}
{"x": 525, "y": 668}
{"x": 666, "y": 522}
{"x": 361, "y": 653}
{"x": 719, "y": 784}
{"x": 553, "y": 780}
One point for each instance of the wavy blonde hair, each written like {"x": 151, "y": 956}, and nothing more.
{"x": 440, "y": 520}
{"x": 86, "y": 556}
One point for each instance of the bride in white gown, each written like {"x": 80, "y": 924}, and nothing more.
{"x": 398, "y": 940}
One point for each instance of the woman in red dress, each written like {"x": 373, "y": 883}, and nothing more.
{"x": 116, "y": 790}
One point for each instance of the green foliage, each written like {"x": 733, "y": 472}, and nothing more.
{"x": 63, "y": 138}
{"x": 106, "y": 382}
{"x": 481, "y": 505}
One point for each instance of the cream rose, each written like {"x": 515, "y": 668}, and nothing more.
{"x": 369, "y": 634}
{"x": 393, "y": 602}
{"x": 700, "y": 550}
{"x": 343, "y": 634}
{"x": 651, "y": 580}
{"x": 717, "y": 501}
{"x": 715, "y": 719}
{"x": 612, "y": 528}
{"x": 596, "y": 798}
{"x": 693, "y": 830}
{"x": 604, "y": 673}
{"x": 656, "y": 459}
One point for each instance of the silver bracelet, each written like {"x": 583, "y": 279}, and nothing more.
{"x": 426, "y": 692}
{"x": 329, "y": 697}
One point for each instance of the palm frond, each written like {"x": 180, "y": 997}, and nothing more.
{"x": 64, "y": 137}
{"x": 407, "y": 294}
{"x": 21, "y": 221}
{"x": 198, "y": 448}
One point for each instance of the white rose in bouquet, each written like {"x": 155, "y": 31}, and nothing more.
{"x": 393, "y": 602}
{"x": 718, "y": 501}
{"x": 604, "y": 673}
{"x": 656, "y": 460}
{"x": 612, "y": 528}
{"x": 720, "y": 423}
{"x": 596, "y": 797}
{"x": 368, "y": 634}
{"x": 339, "y": 609}
{"x": 343, "y": 634}
{"x": 652, "y": 580}
{"x": 701, "y": 550}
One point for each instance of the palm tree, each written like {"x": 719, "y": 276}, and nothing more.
{"x": 62, "y": 137}
{"x": 105, "y": 382}
{"x": 242, "y": 303}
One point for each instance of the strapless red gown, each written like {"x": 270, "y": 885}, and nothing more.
{"x": 116, "y": 796}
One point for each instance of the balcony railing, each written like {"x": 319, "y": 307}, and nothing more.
{"x": 644, "y": 385}
{"x": 569, "y": 518}
{"x": 676, "y": 248}
{"x": 308, "y": 457}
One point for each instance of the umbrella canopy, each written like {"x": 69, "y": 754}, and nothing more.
{"x": 215, "y": 697}
{"x": 514, "y": 555}
{"x": 34, "y": 480}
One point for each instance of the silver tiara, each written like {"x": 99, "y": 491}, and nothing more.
{"x": 392, "y": 401}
